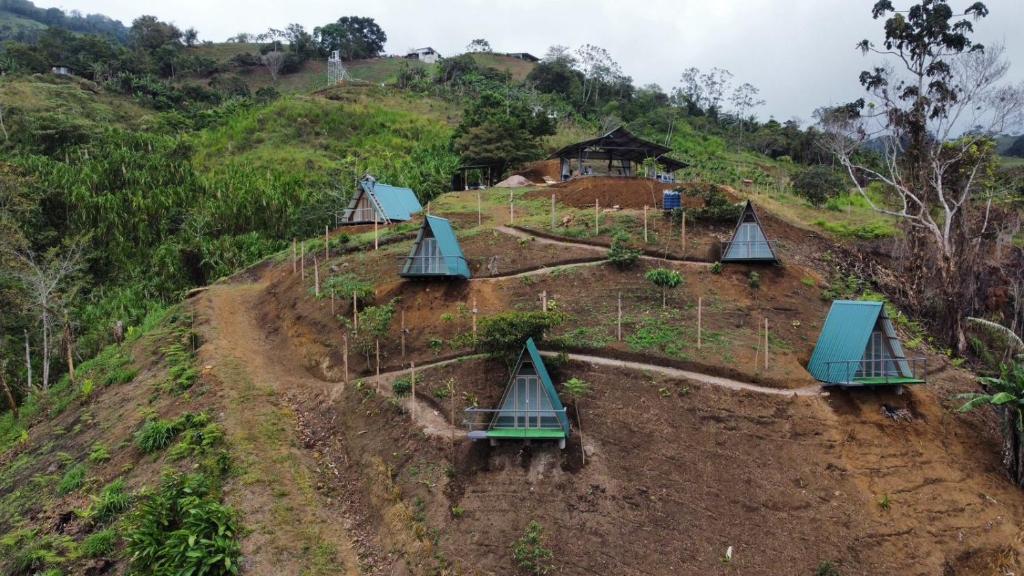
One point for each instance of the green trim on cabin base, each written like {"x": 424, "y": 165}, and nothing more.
{"x": 532, "y": 433}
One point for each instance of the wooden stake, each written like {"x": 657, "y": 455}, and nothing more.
{"x": 344, "y": 354}
{"x": 765, "y": 342}
{"x": 511, "y": 210}
{"x": 645, "y": 224}
{"x": 544, "y": 301}
{"x": 375, "y": 234}
{"x": 327, "y": 243}
{"x": 403, "y": 333}
{"x": 302, "y": 259}
{"x": 413, "y": 376}
{"x": 597, "y": 217}
{"x": 553, "y": 224}
{"x": 69, "y": 348}
{"x": 316, "y": 277}
{"x": 620, "y": 318}
{"x": 479, "y": 211}
{"x": 377, "y": 344}
{"x": 355, "y": 313}
{"x": 700, "y": 319}
{"x": 474, "y": 318}
{"x": 295, "y": 257}
{"x": 683, "y": 229}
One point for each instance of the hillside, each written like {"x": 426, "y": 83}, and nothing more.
{"x": 689, "y": 450}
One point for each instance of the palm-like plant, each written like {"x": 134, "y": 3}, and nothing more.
{"x": 1006, "y": 393}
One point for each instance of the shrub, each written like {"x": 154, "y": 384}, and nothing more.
{"x": 196, "y": 441}
{"x": 818, "y": 183}
{"x": 826, "y": 568}
{"x": 26, "y": 551}
{"x": 402, "y": 387}
{"x": 99, "y": 454}
{"x": 182, "y": 528}
{"x": 112, "y": 501}
{"x": 158, "y": 434}
{"x": 99, "y": 544}
{"x": 345, "y": 285}
{"x": 72, "y": 480}
{"x": 620, "y": 254}
{"x": 754, "y": 280}
{"x": 716, "y": 268}
{"x": 503, "y": 335}
{"x": 529, "y": 552}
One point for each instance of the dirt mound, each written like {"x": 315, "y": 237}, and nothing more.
{"x": 623, "y": 192}
{"x": 537, "y": 171}
{"x": 514, "y": 181}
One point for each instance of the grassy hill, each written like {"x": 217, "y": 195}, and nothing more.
{"x": 14, "y": 26}
{"x": 519, "y": 69}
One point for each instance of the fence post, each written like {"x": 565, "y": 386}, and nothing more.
{"x": 544, "y": 301}
{"x": 403, "y": 333}
{"x": 765, "y": 342}
{"x": 620, "y": 318}
{"x": 295, "y": 257}
{"x": 327, "y": 243}
{"x": 645, "y": 223}
{"x": 683, "y": 231}
{"x": 302, "y": 259}
{"x": 374, "y": 233}
{"x": 479, "y": 210}
{"x": 344, "y": 354}
{"x": 597, "y": 217}
{"x": 511, "y": 209}
{"x": 355, "y": 313}
{"x": 316, "y": 277}
{"x": 413, "y": 364}
{"x": 377, "y": 345}
{"x": 553, "y": 212}
{"x": 700, "y": 313}
{"x": 474, "y": 318}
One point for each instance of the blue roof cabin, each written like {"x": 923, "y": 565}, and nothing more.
{"x": 858, "y": 346}
{"x": 749, "y": 243}
{"x": 436, "y": 253}
{"x": 376, "y": 202}
{"x": 530, "y": 408}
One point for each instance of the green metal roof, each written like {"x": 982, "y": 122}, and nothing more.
{"x": 394, "y": 203}
{"x": 844, "y": 339}
{"x": 453, "y": 262}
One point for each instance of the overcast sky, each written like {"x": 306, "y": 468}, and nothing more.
{"x": 800, "y": 53}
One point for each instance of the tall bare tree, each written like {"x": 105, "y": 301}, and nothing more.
{"x": 274, "y": 60}
{"x": 47, "y": 280}
{"x": 932, "y": 112}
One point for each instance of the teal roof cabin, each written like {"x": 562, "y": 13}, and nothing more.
{"x": 858, "y": 346}
{"x": 436, "y": 253}
{"x": 530, "y": 408}
{"x": 749, "y": 242}
{"x": 381, "y": 203}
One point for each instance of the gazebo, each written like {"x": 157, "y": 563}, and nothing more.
{"x": 616, "y": 153}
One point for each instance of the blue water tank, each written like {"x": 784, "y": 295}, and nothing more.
{"x": 671, "y": 200}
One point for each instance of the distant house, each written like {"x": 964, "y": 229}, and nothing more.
{"x": 381, "y": 203}
{"x": 749, "y": 242}
{"x": 436, "y": 253}
{"x": 523, "y": 56}
{"x": 858, "y": 346}
{"x": 61, "y": 71}
{"x": 427, "y": 55}
{"x": 530, "y": 408}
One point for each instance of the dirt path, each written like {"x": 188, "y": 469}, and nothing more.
{"x": 602, "y": 249}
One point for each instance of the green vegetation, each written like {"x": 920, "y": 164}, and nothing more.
{"x": 1006, "y": 393}
{"x": 182, "y": 528}
{"x": 155, "y": 435}
{"x": 112, "y": 501}
{"x": 72, "y": 479}
{"x": 402, "y": 387}
{"x": 98, "y": 454}
{"x": 826, "y": 568}
{"x": 347, "y": 285}
{"x": 99, "y": 544}
{"x": 754, "y": 280}
{"x": 665, "y": 279}
{"x": 817, "y": 184}
{"x": 503, "y": 335}
{"x": 620, "y": 253}
{"x": 529, "y": 552}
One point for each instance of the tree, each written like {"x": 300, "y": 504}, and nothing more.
{"x": 598, "y": 67}
{"x": 191, "y": 37}
{"x": 1006, "y": 393}
{"x": 479, "y": 45}
{"x": 504, "y": 335}
{"x": 665, "y": 279}
{"x": 47, "y": 282}
{"x": 148, "y": 33}
{"x": 501, "y": 129}
{"x": 744, "y": 99}
{"x": 941, "y": 82}
{"x": 703, "y": 92}
{"x": 620, "y": 253}
{"x": 299, "y": 41}
{"x": 818, "y": 183}
{"x": 355, "y": 37}
{"x": 1016, "y": 149}
{"x": 273, "y": 61}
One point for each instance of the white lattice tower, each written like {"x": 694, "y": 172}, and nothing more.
{"x": 336, "y": 71}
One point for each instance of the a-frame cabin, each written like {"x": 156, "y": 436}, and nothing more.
{"x": 749, "y": 242}
{"x": 530, "y": 408}
{"x": 436, "y": 253}
{"x": 381, "y": 203}
{"x": 858, "y": 346}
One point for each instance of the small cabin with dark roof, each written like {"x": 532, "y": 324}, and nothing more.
{"x": 530, "y": 409}
{"x": 749, "y": 243}
{"x": 436, "y": 253}
{"x": 858, "y": 346}
{"x": 381, "y": 203}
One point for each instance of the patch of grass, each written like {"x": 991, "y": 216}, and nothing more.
{"x": 826, "y": 568}
{"x": 869, "y": 231}
{"x": 99, "y": 544}
{"x": 26, "y": 551}
{"x": 658, "y": 335}
{"x": 159, "y": 434}
{"x": 72, "y": 479}
{"x": 98, "y": 454}
{"x": 112, "y": 500}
